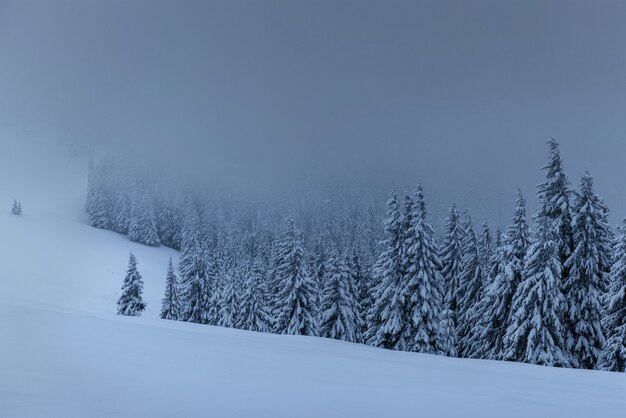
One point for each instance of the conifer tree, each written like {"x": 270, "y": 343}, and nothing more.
{"x": 535, "y": 332}
{"x": 421, "y": 291}
{"x": 588, "y": 270}
{"x": 170, "y": 306}
{"x": 470, "y": 292}
{"x": 554, "y": 197}
{"x": 613, "y": 357}
{"x": 485, "y": 248}
{"x": 361, "y": 283}
{"x": 15, "y": 210}
{"x": 385, "y": 317}
{"x": 229, "y": 309}
{"x": 339, "y": 305}
{"x": 507, "y": 272}
{"x": 255, "y": 314}
{"x": 297, "y": 292}
{"x": 96, "y": 203}
{"x": 452, "y": 260}
{"x": 142, "y": 225}
{"x": 130, "y": 302}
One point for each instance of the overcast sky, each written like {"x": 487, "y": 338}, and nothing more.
{"x": 459, "y": 95}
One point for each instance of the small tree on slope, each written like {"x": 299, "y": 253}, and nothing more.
{"x": 613, "y": 357}
{"x": 339, "y": 305}
{"x": 588, "y": 269}
{"x": 130, "y": 302}
{"x": 170, "y": 306}
{"x": 535, "y": 333}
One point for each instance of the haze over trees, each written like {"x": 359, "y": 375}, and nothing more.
{"x": 551, "y": 295}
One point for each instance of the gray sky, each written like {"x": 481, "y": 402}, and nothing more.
{"x": 458, "y": 95}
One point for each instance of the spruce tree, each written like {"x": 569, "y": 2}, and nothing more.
{"x": 613, "y": 357}
{"x": 421, "y": 292}
{"x": 507, "y": 272}
{"x": 535, "y": 332}
{"x": 16, "y": 210}
{"x": 297, "y": 291}
{"x": 452, "y": 260}
{"x": 96, "y": 203}
{"x": 485, "y": 248}
{"x": 385, "y": 317}
{"x": 170, "y": 306}
{"x": 229, "y": 309}
{"x": 588, "y": 270}
{"x": 470, "y": 292}
{"x": 361, "y": 283}
{"x": 130, "y": 302}
{"x": 339, "y": 305}
{"x": 255, "y": 314}
{"x": 554, "y": 197}
{"x": 142, "y": 225}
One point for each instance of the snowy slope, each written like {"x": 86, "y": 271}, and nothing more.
{"x": 64, "y": 352}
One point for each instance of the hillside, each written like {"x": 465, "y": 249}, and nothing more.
{"x": 64, "y": 352}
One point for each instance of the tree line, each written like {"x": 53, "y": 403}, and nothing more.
{"x": 552, "y": 294}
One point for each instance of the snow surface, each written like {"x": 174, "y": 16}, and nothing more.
{"x": 64, "y": 353}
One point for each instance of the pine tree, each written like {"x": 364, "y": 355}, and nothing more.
{"x": 422, "y": 290}
{"x": 96, "y": 203}
{"x": 255, "y": 314}
{"x": 17, "y": 208}
{"x": 471, "y": 288}
{"x": 535, "y": 332}
{"x": 452, "y": 260}
{"x": 507, "y": 272}
{"x": 485, "y": 248}
{"x": 142, "y": 225}
{"x": 296, "y": 311}
{"x": 195, "y": 293}
{"x": 361, "y": 283}
{"x": 339, "y": 305}
{"x": 170, "y": 306}
{"x": 613, "y": 357}
{"x": 588, "y": 269}
{"x": 554, "y": 197}
{"x": 229, "y": 309}
{"x": 130, "y": 302}
{"x": 385, "y": 318}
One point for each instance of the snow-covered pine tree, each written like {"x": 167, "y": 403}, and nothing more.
{"x": 507, "y": 273}
{"x": 385, "y": 318}
{"x": 17, "y": 208}
{"x": 229, "y": 307}
{"x": 452, "y": 260}
{"x": 588, "y": 266}
{"x": 339, "y": 305}
{"x": 422, "y": 290}
{"x": 535, "y": 332}
{"x": 170, "y": 306}
{"x": 297, "y": 291}
{"x": 554, "y": 197}
{"x": 96, "y": 203}
{"x": 613, "y": 357}
{"x": 361, "y": 284}
{"x": 485, "y": 248}
{"x": 195, "y": 293}
{"x": 130, "y": 302}
{"x": 470, "y": 292}
{"x": 142, "y": 225}
{"x": 255, "y": 314}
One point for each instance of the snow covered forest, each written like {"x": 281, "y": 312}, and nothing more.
{"x": 548, "y": 289}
